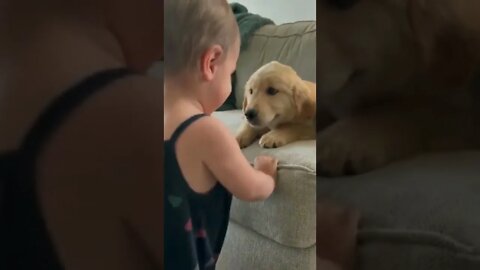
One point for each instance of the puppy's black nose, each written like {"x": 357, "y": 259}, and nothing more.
{"x": 251, "y": 114}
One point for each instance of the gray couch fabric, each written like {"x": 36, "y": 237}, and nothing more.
{"x": 418, "y": 214}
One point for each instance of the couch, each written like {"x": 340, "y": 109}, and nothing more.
{"x": 418, "y": 214}
{"x": 278, "y": 233}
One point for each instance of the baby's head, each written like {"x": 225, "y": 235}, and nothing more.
{"x": 201, "y": 46}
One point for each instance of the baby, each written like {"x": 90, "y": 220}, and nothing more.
{"x": 204, "y": 165}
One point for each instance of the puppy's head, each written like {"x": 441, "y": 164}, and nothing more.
{"x": 275, "y": 94}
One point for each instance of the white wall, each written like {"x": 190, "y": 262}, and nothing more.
{"x": 281, "y": 11}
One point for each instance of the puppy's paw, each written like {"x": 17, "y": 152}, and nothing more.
{"x": 349, "y": 148}
{"x": 273, "y": 139}
{"x": 245, "y": 138}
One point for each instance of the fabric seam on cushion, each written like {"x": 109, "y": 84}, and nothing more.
{"x": 286, "y": 36}
{"x": 417, "y": 237}
{"x": 270, "y": 239}
{"x": 291, "y": 166}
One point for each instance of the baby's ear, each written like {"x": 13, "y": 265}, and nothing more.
{"x": 209, "y": 61}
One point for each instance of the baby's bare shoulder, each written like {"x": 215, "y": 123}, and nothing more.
{"x": 209, "y": 135}
{"x": 211, "y": 129}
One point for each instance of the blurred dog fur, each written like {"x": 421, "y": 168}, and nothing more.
{"x": 396, "y": 78}
{"x": 279, "y": 107}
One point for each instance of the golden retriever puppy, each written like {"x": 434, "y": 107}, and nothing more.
{"x": 373, "y": 79}
{"x": 279, "y": 106}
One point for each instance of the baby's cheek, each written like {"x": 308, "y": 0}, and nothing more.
{"x": 226, "y": 93}
{"x": 221, "y": 95}
{"x": 229, "y": 87}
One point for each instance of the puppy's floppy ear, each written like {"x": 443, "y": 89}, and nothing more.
{"x": 304, "y": 100}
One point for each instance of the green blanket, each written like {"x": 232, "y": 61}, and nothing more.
{"x": 248, "y": 23}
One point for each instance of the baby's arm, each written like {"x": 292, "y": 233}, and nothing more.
{"x": 227, "y": 163}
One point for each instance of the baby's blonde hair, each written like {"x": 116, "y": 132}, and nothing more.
{"x": 191, "y": 27}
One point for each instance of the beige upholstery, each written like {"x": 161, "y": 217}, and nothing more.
{"x": 278, "y": 233}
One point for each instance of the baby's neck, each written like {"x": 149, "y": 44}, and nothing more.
{"x": 182, "y": 94}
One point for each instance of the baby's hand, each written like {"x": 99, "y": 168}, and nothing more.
{"x": 267, "y": 165}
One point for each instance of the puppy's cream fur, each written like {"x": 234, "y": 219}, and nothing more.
{"x": 286, "y": 116}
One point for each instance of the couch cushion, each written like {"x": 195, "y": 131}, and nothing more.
{"x": 292, "y": 44}
{"x": 417, "y": 214}
{"x": 288, "y": 216}
{"x": 264, "y": 254}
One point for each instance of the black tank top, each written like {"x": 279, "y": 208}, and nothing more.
{"x": 195, "y": 224}
{"x": 25, "y": 242}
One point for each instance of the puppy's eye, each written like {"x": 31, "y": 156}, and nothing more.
{"x": 272, "y": 91}
{"x": 251, "y": 91}
{"x": 341, "y": 4}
